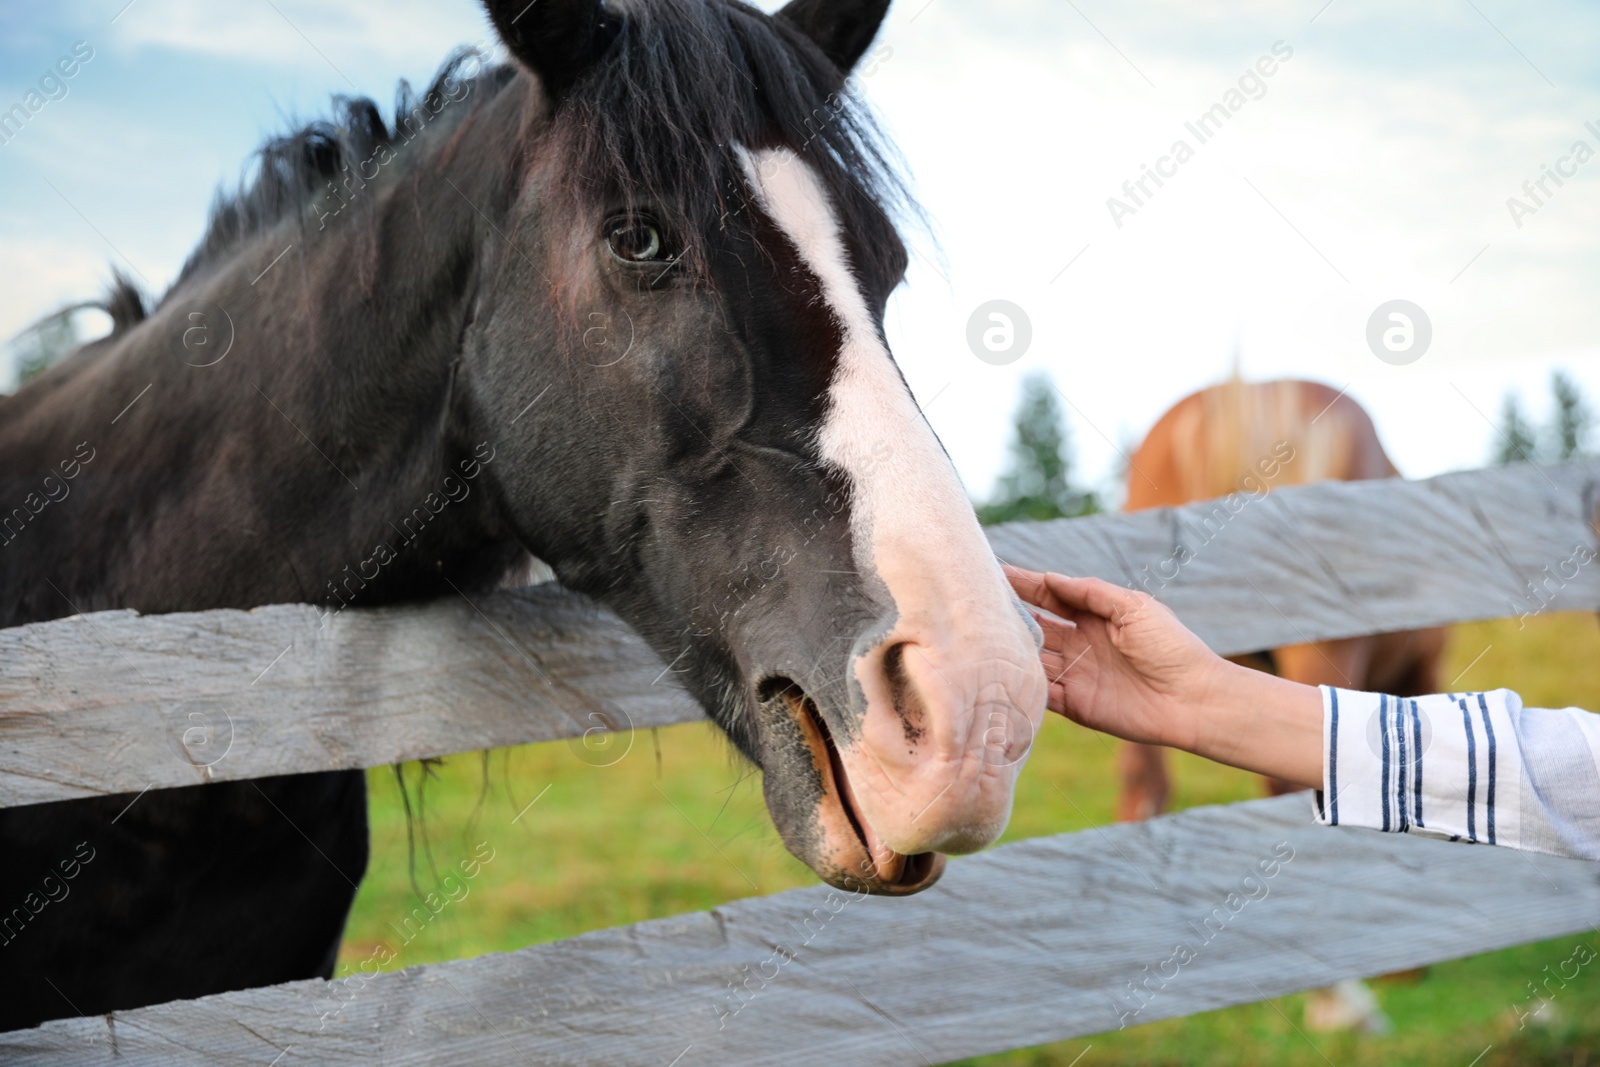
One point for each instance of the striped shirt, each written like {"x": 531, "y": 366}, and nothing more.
{"x": 1462, "y": 766}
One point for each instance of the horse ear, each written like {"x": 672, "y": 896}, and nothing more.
{"x": 843, "y": 29}
{"x": 555, "y": 39}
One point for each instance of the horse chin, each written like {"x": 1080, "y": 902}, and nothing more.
{"x": 839, "y": 844}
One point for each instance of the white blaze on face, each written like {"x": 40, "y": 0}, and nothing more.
{"x": 969, "y": 655}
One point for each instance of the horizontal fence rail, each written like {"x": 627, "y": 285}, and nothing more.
{"x": 1346, "y": 559}
{"x": 1032, "y": 942}
{"x": 1037, "y": 941}
{"x": 113, "y": 702}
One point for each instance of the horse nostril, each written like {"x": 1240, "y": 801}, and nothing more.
{"x": 775, "y": 686}
{"x": 903, "y": 693}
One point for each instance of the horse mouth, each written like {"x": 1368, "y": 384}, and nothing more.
{"x": 872, "y": 866}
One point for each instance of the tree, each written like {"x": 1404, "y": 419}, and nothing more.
{"x": 1037, "y": 483}
{"x": 1565, "y": 437}
{"x": 1517, "y": 442}
{"x": 1573, "y": 419}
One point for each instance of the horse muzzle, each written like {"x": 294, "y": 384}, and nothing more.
{"x": 927, "y": 768}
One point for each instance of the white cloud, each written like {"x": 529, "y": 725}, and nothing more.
{"x": 1391, "y": 165}
{"x": 1390, "y": 142}
{"x": 405, "y": 33}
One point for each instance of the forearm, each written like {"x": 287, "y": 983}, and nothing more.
{"x": 1474, "y": 767}
{"x": 1257, "y": 722}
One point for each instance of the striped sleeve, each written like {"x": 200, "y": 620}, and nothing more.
{"x": 1473, "y": 767}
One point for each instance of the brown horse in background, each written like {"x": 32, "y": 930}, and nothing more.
{"x": 1236, "y": 436}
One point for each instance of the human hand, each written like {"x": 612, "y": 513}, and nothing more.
{"x": 1117, "y": 660}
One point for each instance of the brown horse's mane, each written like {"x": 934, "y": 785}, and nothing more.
{"x": 1215, "y": 442}
{"x": 1244, "y": 421}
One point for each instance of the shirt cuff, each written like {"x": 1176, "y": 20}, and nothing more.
{"x": 1441, "y": 766}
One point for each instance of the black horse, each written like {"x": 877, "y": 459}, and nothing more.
{"x": 633, "y": 285}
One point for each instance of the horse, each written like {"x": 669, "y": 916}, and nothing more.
{"x": 616, "y": 305}
{"x": 1252, "y": 438}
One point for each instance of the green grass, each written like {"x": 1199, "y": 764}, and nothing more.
{"x": 675, "y": 824}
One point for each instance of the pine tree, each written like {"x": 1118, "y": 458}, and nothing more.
{"x": 1573, "y": 419}
{"x": 1037, "y": 483}
{"x": 1516, "y": 442}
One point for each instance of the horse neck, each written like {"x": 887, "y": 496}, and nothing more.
{"x": 140, "y": 473}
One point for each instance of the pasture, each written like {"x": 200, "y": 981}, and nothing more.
{"x": 674, "y": 824}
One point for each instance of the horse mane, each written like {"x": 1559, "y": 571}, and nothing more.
{"x": 293, "y": 170}
{"x": 1243, "y": 423}
{"x": 653, "y": 122}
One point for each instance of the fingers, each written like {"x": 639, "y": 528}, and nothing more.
{"x": 1065, "y": 596}
{"x": 1065, "y": 648}
{"x": 1057, "y": 699}
{"x": 1056, "y": 632}
{"x": 1029, "y": 586}
{"x": 1110, "y": 602}
{"x": 1039, "y": 590}
{"x": 1057, "y": 665}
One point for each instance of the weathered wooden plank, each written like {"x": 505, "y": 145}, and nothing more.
{"x": 113, "y": 702}
{"x": 1031, "y": 942}
{"x": 1345, "y": 559}
{"x": 116, "y": 703}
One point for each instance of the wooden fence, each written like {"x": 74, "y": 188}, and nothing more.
{"x": 1031, "y": 942}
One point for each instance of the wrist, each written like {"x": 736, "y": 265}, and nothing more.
{"x": 1212, "y": 716}
{"x": 1286, "y": 742}
{"x": 1258, "y": 722}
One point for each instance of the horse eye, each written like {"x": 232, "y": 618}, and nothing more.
{"x": 637, "y": 240}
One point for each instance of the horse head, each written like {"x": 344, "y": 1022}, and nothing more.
{"x": 680, "y": 353}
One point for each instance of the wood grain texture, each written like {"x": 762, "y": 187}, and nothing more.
{"x": 1032, "y": 942}
{"x": 115, "y": 703}
{"x": 1344, "y": 559}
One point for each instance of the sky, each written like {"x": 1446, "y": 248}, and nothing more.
{"x": 1375, "y": 163}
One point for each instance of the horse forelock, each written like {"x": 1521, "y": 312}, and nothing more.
{"x": 657, "y": 124}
